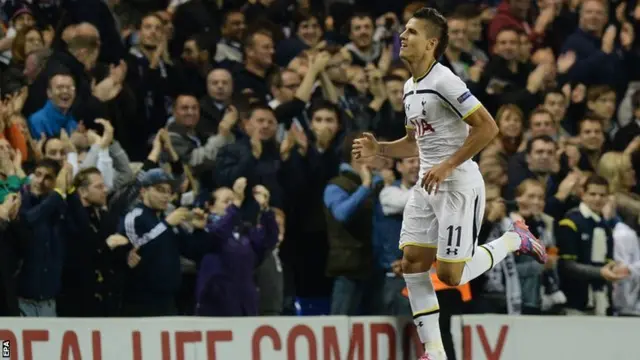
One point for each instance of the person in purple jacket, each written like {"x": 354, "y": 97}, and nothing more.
{"x": 225, "y": 284}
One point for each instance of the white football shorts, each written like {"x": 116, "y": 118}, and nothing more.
{"x": 447, "y": 220}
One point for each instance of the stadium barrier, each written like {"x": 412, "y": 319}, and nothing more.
{"x": 313, "y": 338}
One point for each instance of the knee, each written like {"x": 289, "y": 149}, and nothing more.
{"x": 417, "y": 259}
{"x": 449, "y": 276}
{"x": 412, "y": 265}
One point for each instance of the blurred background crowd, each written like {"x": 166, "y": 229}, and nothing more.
{"x": 193, "y": 157}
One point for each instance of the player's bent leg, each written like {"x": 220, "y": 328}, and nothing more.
{"x": 450, "y": 273}
{"x": 417, "y": 258}
{"x": 416, "y": 263}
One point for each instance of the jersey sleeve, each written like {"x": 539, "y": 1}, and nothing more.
{"x": 455, "y": 94}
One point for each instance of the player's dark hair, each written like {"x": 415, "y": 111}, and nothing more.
{"x": 440, "y": 27}
{"x": 596, "y": 180}
{"x": 543, "y": 138}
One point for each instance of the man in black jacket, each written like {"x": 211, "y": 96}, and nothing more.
{"x": 255, "y": 156}
{"x": 92, "y": 272}
{"x": 42, "y": 209}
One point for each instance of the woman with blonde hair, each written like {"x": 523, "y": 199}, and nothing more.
{"x": 616, "y": 167}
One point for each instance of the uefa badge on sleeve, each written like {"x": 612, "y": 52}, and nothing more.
{"x": 464, "y": 97}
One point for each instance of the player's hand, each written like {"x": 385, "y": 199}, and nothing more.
{"x": 365, "y": 147}
{"x": 435, "y": 176}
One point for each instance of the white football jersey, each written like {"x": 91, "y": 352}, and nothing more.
{"x": 436, "y": 105}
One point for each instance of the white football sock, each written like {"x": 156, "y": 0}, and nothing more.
{"x": 489, "y": 254}
{"x": 425, "y": 308}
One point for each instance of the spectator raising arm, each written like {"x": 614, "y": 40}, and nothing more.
{"x": 205, "y": 156}
{"x": 99, "y": 155}
{"x": 340, "y": 203}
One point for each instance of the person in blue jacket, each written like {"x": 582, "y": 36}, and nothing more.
{"x": 56, "y": 115}
{"x": 349, "y": 201}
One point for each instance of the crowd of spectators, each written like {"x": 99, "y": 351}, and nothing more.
{"x": 193, "y": 157}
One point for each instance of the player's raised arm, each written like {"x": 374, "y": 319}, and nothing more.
{"x": 367, "y": 147}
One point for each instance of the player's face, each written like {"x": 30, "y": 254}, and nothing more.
{"x": 415, "y": 41}
{"x": 531, "y": 202}
{"x": 595, "y": 197}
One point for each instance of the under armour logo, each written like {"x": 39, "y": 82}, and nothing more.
{"x": 424, "y": 111}
{"x": 420, "y": 324}
{"x": 407, "y": 106}
{"x": 452, "y": 251}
